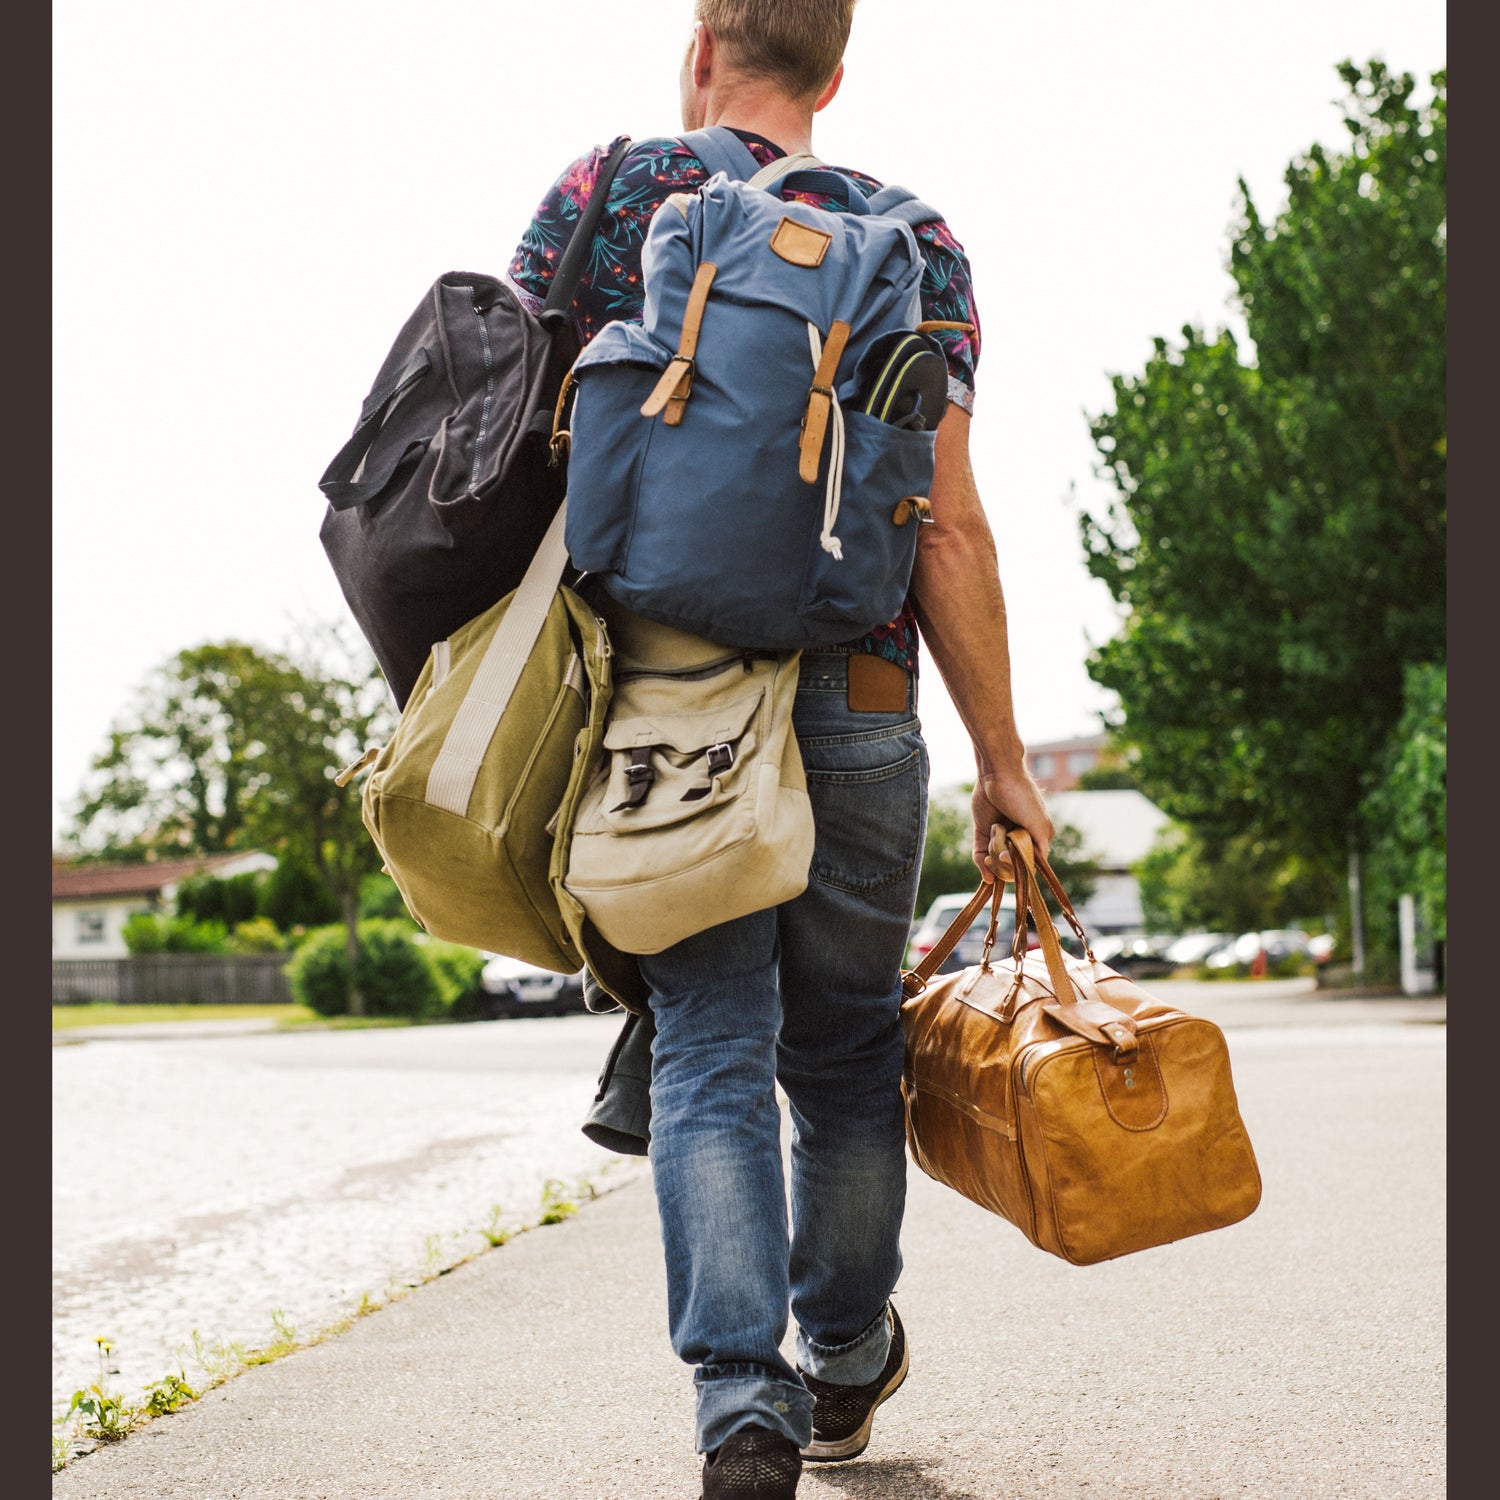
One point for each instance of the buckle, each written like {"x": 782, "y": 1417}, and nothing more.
{"x": 720, "y": 758}
{"x": 638, "y": 778}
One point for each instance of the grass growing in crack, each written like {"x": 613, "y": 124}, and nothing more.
{"x": 284, "y": 1342}
{"x": 491, "y": 1229}
{"x": 217, "y": 1361}
{"x": 556, "y": 1204}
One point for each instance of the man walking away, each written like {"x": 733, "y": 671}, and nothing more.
{"x": 806, "y": 994}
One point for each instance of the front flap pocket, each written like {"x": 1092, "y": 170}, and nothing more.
{"x": 664, "y": 767}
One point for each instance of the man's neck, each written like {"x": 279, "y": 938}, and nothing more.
{"x": 766, "y": 115}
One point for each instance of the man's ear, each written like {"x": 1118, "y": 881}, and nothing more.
{"x": 833, "y": 87}
{"x": 705, "y": 54}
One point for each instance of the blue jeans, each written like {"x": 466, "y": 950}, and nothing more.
{"x": 807, "y": 994}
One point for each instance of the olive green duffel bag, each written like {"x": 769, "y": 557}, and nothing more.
{"x": 470, "y": 804}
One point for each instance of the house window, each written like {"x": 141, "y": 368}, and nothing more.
{"x": 90, "y": 927}
{"x": 1080, "y": 761}
{"x": 1043, "y": 766}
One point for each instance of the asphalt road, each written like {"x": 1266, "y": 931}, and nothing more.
{"x": 1298, "y": 1354}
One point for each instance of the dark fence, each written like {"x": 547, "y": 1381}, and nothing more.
{"x": 173, "y": 979}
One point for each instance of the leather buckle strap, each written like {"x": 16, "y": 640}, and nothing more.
{"x": 720, "y": 759}
{"x": 676, "y": 383}
{"x": 820, "y": 401}
{"x": 638, "y": 778}
{"x": 561, "y": 438}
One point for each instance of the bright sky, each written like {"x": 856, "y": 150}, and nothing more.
{"x": 250, "y": 200}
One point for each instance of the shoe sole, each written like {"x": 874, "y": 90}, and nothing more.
{"x": 858, "y": 1440}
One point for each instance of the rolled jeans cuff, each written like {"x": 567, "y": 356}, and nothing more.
{"x": 856, "y": 1363}
{"x": 728, "y": 1402}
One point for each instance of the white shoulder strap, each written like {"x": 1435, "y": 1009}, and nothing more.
{"x": 782, "y": 167}
{"x": 451, "y": 780}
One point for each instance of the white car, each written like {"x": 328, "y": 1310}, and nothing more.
{"x": 1277, "y": 943}
{"x": 513, "y": 988}
{"x": 1194, "y": 947}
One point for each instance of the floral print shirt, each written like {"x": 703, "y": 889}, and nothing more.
{"x": 610, "y": 287}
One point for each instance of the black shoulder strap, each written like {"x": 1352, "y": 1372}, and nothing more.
{"x": 570, "y": 268}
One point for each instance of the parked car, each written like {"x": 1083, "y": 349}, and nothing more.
{"x": 1276, "y": 943}
{"x": 1193, "y": 947}
{"x": 1137, "y": 955}
{"x": 513, "y": 988}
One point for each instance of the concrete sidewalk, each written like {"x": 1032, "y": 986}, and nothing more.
{"x": 1299, "y": 1353}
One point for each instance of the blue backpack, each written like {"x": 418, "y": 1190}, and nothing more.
{"x": 730, "y": 472}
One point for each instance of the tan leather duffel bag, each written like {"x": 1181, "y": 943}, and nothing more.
{"x": 1061, "y": 1096}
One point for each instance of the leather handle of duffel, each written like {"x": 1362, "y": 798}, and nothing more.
{"x": 1079, "y": 1006}
{"x": 1028, "y": 896}
{"x": 914, "y": 981}
{"x": 1050, "y": 876}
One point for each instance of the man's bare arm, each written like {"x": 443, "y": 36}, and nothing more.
{"x": 960, "y": 609}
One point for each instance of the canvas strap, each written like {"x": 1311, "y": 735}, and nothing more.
{"x": 450, "y": 783}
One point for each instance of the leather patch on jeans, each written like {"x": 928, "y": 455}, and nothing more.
{"x": 876, "y": 686}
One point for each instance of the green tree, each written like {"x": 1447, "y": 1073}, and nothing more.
{"x": 207, "y": 898}
{"x": 293, "y": 896}
{"x": 185, "y": 759}
{"x": 1278, "y": 534}
{"x": 1109, "y": 779}
{"x": 231, "y": 745}
{"x": 1247, "y": 883}
{"x": 380, "y": 896}
{"x": 1406, "y": 813}
{"x": 326, "y": 719}
{"x": 149, "y": 932}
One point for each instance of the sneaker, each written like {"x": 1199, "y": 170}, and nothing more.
{"x": 752, "y": 1464}
{"x": 844, "y": 1414}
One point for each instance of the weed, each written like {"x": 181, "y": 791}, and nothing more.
{"x": 164, "y": 1396}
{"x": 492, "y": 1230}
{"x": 218, "y": 1361}
{"x": 106, "y": 1416}
{"x": 62, "y": 1451}
{"x": 284, "y": 1342}
{"x": 556, "y": 1205}
{"x": 432, "y": 1256}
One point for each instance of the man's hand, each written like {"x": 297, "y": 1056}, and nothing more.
{"x": 1011, "y": 799}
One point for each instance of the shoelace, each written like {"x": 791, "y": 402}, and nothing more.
{"x": 834, "y": 492}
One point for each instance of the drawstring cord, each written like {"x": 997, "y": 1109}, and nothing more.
{"x": 834, "y": 493}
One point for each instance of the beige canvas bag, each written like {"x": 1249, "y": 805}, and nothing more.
{"x": 697, "y": 809}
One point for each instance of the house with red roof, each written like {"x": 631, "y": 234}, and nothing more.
{"x": 91, "y": 902}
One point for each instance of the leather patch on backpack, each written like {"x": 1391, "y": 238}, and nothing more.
{"x": 800, "y": 244}
{"x": 876, "y": 686}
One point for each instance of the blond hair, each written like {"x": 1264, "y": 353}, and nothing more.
{"x": 797, "y": 44}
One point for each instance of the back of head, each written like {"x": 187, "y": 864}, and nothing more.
{"x": 795, "y": 44}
